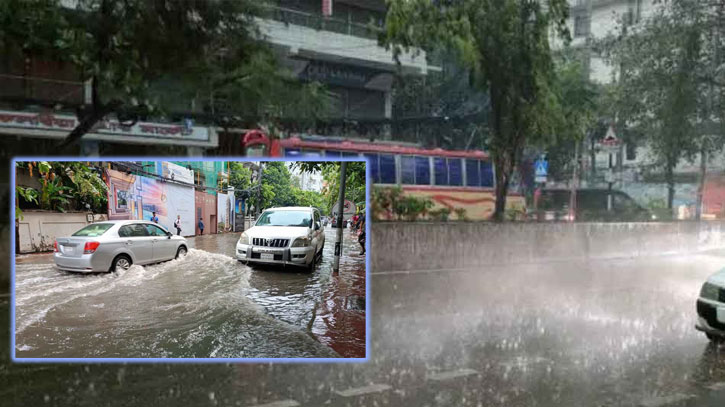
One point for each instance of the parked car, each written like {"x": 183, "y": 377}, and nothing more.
{"x": 114, "y": 245}
{"x": 711, "y": 307}
{"x": 287, "y": 236}
{"x": 591, "y": 206}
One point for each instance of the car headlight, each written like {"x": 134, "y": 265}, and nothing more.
{"x": 244, "y": 239}
{"x": 301, "y": 242}
{"x": 710, "y": 291}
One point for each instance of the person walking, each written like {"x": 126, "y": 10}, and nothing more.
{"x": 201, "y": 227}
{"x": 154, "y": 218}
{"x": 177, "y": 225}
{"x": 361, "y": 233}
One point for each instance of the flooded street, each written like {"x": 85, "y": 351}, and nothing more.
{"x": 204, "y": 305}
{"x": 589, "y": 333}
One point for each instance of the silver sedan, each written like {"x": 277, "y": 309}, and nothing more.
{"x": 113, "y": 245}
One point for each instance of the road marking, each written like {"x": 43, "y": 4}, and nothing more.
{"x": 451, "y": 374}
{"x": 280, "y": 403}
{"x": 359, "y": 391}
{"x": 664, "y": 401}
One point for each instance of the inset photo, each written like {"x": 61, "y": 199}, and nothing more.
{"x": 177, "y": 260}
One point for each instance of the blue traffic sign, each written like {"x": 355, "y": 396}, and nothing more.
{"x": 542, "y": 168}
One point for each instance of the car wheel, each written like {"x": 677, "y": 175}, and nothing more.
{"x": 313, "y": 264}
{"x": 121, "y": 262}
{"x": 181, "y": 252}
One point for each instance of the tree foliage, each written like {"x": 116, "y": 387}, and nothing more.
{"x": 144, "y": 56}
{"x": 354, "y": 183}
{"x": 505, "y": 45}
{"x": 670, "y": 84}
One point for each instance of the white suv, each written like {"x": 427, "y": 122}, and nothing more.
{"x": 286, "y": 236}
{"x": 711, "y": 307}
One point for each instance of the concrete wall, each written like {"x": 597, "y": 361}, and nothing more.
{"x": 427, "y": 246}
{"x": 38, "y": 229}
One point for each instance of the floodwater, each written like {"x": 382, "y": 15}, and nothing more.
{"x": 567, "y": 334}
{"x": 204, "y": 305}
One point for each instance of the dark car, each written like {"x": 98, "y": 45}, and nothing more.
{"x": 591, "y": 206}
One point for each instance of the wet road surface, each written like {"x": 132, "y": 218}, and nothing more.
{"x": 606, "y": 333}
{"x": 204, "y": 305}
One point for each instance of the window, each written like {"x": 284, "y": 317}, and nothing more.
{"x": 155, "y": 230}
{"x": 407, "y": 169}
{"x": 134, "y": 230}
{"x": 631, "y": 150}
{"x": 349, "y": 154}
{"x": 373, "y": 163}
{"x": 312, "y": 153}
{"x": 455, "y": 171}
{"x": 330, "y": 153}
{"x": 486, "y": 174}
{"x": 387, "y": 169}
{"x": 473, "y": 173}
{"x": 291, "y": 152}
{"x": 94, "y": 230}
{"x": 422, "y": 171}
{"x": 285, "y": 218}
{"x": 440, "y": 167}
{"x": 581, "y": 26}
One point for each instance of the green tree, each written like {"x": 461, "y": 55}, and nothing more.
{"x": 142, "y": 56}
{"x": 354, "y": 184}
{"x": 505, "y": 45}
{"x": 580, "y": 108}
{"x": 278, "y": 177}
{"x": 670, "y": 87}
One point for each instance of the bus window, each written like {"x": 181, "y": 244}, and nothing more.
{"x": 292, "y": 152}
{"x": 441, "y": 171}
{"x": 387, "y": 169}
{"x": 347, "y": 154}
{"x": 486, "y": 174}
{"x": 473, "y": 173}
{"x": 407, "y": 169}
{"x": 422, "y": 170}
{"x": 455, "y": 171}
{"x": 312, "y": 153}
{"x": 330, "y": 153}
{"x": 373, "y": 163}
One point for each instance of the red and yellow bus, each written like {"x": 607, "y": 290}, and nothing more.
{"x": 450, "y": 179}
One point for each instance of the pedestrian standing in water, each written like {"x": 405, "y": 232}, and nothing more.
{"x": 361, "y": 234}
{"x": 154, "y": 218}
{"x": 201, "y": 227}
{"x": 177, "y": 225}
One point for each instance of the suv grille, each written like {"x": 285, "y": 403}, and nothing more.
{"x": 709, "y": 313}
{"x": 270, "y": 242}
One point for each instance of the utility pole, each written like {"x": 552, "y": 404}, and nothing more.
{"x": 340, "y": 208}
{"x": 259, "y": 192}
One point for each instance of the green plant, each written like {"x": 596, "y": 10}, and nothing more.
{"x": 28, "y": 195}
{"x": 88, "y": 186}
{"x": 411, "y": 207}
{"x": 515, "y": 213}
{"x": 53, "y": 194}
{"x": 441, "y": 214}
{"x": 460, "y": 213}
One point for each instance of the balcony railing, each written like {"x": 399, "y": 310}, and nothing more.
{"x": 319, "y": 22}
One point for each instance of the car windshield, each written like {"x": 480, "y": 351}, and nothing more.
{"x": 94, "y": 230}
{"x": 285, "y": 218}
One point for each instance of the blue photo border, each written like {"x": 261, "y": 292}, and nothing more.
{"x": 368, "y": 180}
